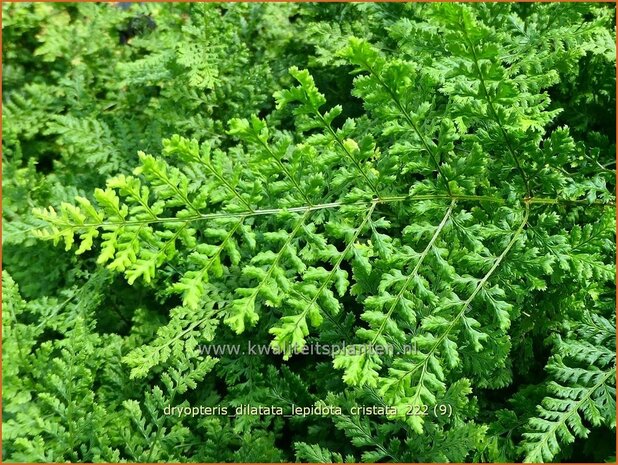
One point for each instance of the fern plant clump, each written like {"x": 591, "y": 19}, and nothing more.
{"x": 313, "y": 232}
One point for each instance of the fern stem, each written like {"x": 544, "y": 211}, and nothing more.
{"x": 337, "y": 139}
{"x": 220, "y": 248}
{"x": 138, "y": 198}
{"x": 469, "y": 300}
{"x": 412, "y": 124}
{"x": 414, "y": 272}
{"x": 338, "y": 263}
{"x": 495, "y": 115}
{"x": 275, "y": 262}
{"x": 285, "y": 170}
{"x": 323, "y": 206}
{"x": 172, "y": 240}
{"x": 177, "y": 191}
{"x": 187, "y": 330}
{"x": 223, "y": 181}
{"x": 157, "y": 437}
{"x": 372, "y": 440}
{"x": 485, "y": 278}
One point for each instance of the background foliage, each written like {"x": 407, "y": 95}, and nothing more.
{"x": 378, "y": 173}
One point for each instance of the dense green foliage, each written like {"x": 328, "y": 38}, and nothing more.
{"x": 439, "y": 176}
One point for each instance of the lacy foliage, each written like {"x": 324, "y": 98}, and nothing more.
{"x": 456, "y": 212}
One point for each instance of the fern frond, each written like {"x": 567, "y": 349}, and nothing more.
{"x": 363, "y": 368}
{"x": 415, "y": 379}
{"x": 583, "y": 389}
{"x": 432, "y": 212}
